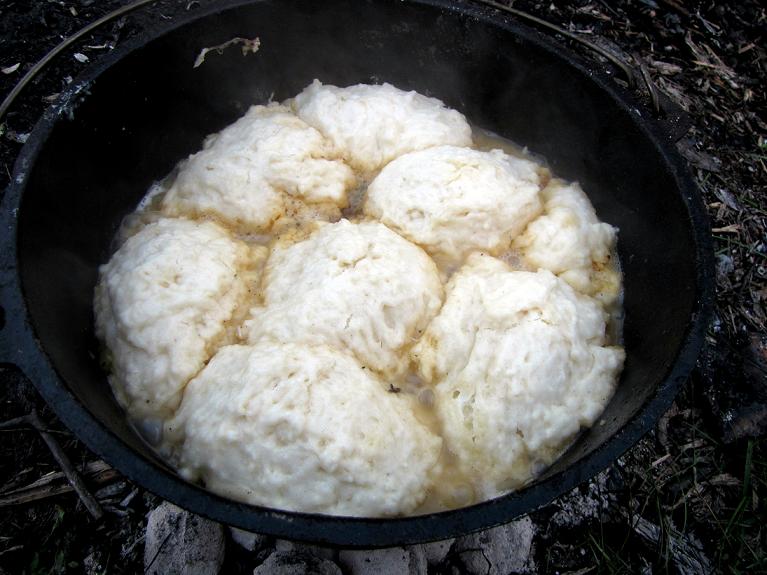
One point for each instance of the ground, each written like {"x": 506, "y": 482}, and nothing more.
{"x": 688, "y": 498}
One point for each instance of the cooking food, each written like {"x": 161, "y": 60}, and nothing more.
{"x": 357, "y": 287}
{"x": 250, "y": 173}
{"x": 304, "y": 428}
{"x": 372, "y": 125}
{"x": 340, "y": 306}
{"x": 570, "y": 241}
{"x": 518, "y": 362}
{"x": 162, "y": 308}
{"x": 453, "y": 201}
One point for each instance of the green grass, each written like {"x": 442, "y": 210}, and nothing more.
{"x": 679, "y": 497}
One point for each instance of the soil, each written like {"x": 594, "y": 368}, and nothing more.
{"x": 688, "y": 498}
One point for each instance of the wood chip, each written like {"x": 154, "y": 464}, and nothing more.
{"x": 32, "y": 419}
{"x": 731, "y": 229}
{"x": 660, "y": 460}
{"x": 91, "y": 469}
{"x": 51, "y": 486}
{"x": 247, "y": 47}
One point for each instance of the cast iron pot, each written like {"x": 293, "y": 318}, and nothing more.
{"x": 129, "y": 119}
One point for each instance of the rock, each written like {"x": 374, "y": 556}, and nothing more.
{"x": 725, "y": 265}
{"x": 94, "y": 564}
{"x": 304, "y": 549}
{"x": 436, "y": 551}
{"x": 747, "y": 421}
{"x": 390, "y": 561}
{"x": 248, "y": 540}
{"x": 180, "y": 542}
{"x": 728, "y": 198}
{"x": 736, "y": 387}
{"x": 690, "y": 149}
{"x": 288, "y": 563}
{"x": 584, "y": 504}
{"x": 419, "y": 563}
{"x": 498, "y": 551}
{"x": 755, "y": 365}
{"x": 111, "y": 490}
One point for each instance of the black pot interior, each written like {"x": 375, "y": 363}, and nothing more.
{"x": 152, "y": 108}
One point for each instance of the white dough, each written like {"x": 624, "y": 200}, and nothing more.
{"x": 161, "y": 306}
{"x": 304, "y": 428}
{"x": 452, "y": 201}
{"x": 276, "y": 322}
{"x": 372, "y": 125}
{"x": 355, "y": 287}
{"x": 570, "y": 241}
{"x": 253, "y": 171}
{"x": 519, "y": 363}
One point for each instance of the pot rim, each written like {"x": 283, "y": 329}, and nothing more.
{"x": 19, "y": 346}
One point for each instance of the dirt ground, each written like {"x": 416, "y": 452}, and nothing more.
{"x": 688, "y": 498}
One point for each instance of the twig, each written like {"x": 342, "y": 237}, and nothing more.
{"x": 15, "y": 422}
{"x": 63, "y": 45}
{"x": 686, "y": 553}
{"x": 61, "y": 458}
{"x": 23, "y": 496}
{"x": 128, "y": 498}
{"x": 676, "y": 6}
{"x": 91, "y": 469}
{"x": 33, "y": 420}
{"x": 559, "y": 30}
{"x": 648, "y": 82}
{"x": 11, "y": 549}
{"x": 45, "y": 488}
{"x": 116, "y": 511}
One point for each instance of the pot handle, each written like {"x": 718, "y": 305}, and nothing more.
{"x": 670, "y": 116}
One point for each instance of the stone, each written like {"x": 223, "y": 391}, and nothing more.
{"x": 389, "y": 561}
{"x": 248, "y": 540}
{"x": 288, "y": 563}
{"x": 419, "y": 562}
{"x": 304, "y": 549}
{"x": 436, "y": 551}
{"x": 94, "y": 563}
{"x": 497, "y": 551}
{"x": 725, "y": 265}
{"x": 180, "y": 542}
{"x": 735, "y": 385}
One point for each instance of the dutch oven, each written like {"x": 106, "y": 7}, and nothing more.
{"x": 129, "y": 119}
